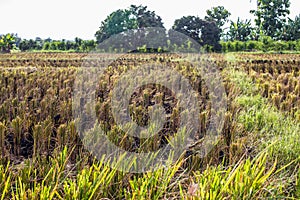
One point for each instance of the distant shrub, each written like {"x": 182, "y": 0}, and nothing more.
{"x": 265, "y": 44}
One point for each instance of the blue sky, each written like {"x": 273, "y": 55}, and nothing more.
{"x": 68, "y": 19}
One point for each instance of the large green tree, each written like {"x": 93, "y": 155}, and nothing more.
{"x": 271, "y": 16}
{"x": 219, "y": 15}
{"x": 126, "y": 19}
{"x": 204, "y": 32}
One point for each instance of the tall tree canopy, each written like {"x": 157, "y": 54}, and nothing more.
{"x": 271, "y": 17}
{"x": 202, "y": 31}
{"x": 122, "y": 20}
{"x": 218, "y": 14}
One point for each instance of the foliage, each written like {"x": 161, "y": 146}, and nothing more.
{"x": 122, "y": 20}
{"x": 265, "y": 44}
{"x": 204, "y": 32}
{"x": 240, "y": 30}
{"x": 78, "y": 45}
{"x": 292, "y": 29}
{"x": 145, "y": 18}
{"x": 219, "y": 15}
{"x": 7, "y": 42}
{"x": 271, "y": 17}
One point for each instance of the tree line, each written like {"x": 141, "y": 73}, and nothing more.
{"x": 12, "y": 41}
{"x": 214, "y": 32}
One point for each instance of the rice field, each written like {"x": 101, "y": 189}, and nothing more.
{"x": 44, "y": 156}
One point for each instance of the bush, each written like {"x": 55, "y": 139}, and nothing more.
{"x": 297, "y": 47}
{"x": 239, "y": 46}
{"x": 280, "y": 46}
{"x": 253, "y": 45}
{"x": 224, "y": 46}
{"x": 292, "y": 45}
{"x": 265, "y": 44}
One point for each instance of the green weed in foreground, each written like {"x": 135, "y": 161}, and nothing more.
{"x": 245, "y": 180}
{"x": 248, "y": 179}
